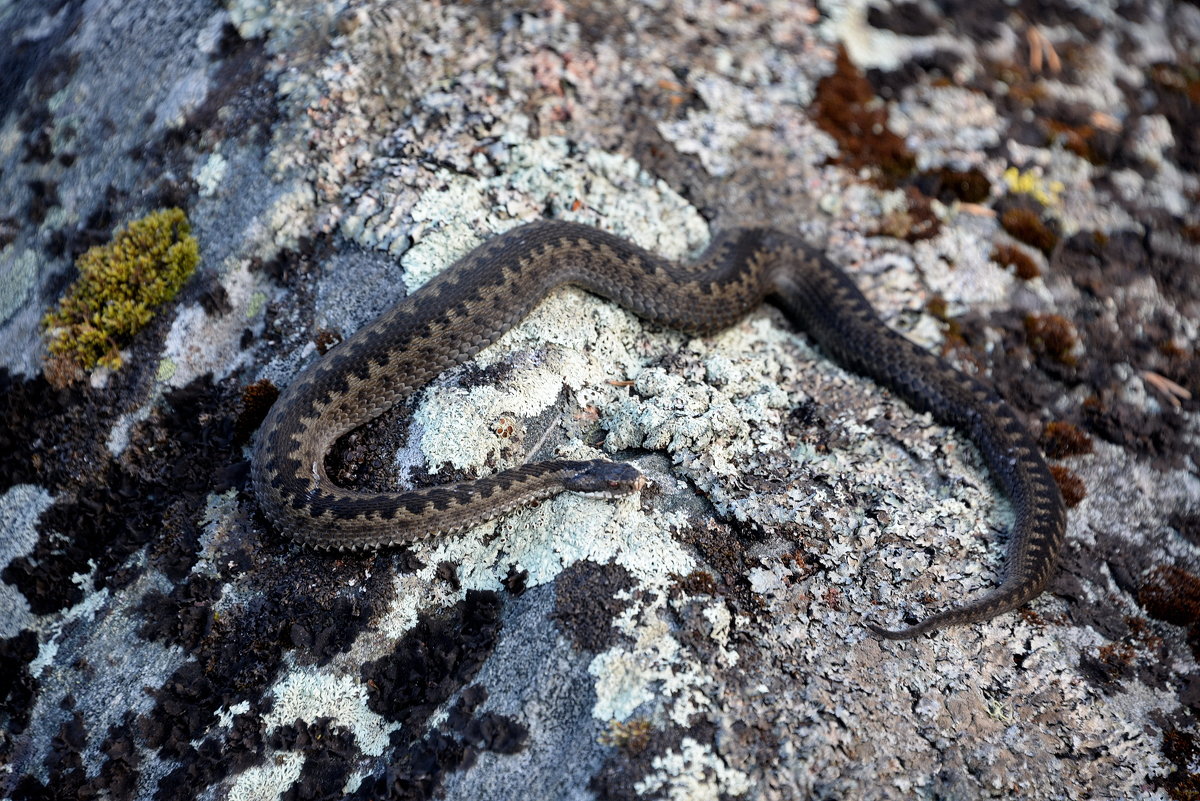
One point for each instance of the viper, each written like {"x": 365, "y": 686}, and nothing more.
{"x": 471, "y": 304}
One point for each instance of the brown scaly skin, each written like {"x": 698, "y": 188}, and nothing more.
{"x": 491, "y": 289}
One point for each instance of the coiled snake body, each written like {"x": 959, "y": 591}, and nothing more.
{"x": 491, "y": 289}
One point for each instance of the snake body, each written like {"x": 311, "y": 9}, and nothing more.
{"x": 488, "y": 291}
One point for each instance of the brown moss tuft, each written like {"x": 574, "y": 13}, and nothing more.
{"x": 1053, "y": 336}
{"x": 848, "y": 110}
{"x": 326, "y": 340}
{"x": 257, "y": 399}
{"x": 1172, "y": 595}
{"x": 1024, "y": 265}
{"x": 1026, "y": 226}
{"x": 1061, "y": 439}
{"x": 1070, "y": 485}
{"x": 947, "y": 185}
{"x": 698, "y": 582}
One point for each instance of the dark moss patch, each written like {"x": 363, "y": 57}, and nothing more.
{"x": 1180, "y": 749}
{"x": 1026, "y": 226}
{"x": 415, "y": 770}
{"x": 155, "y": 494}
{"x": 1061, "y": 439}
{"x": 1021, "y": 263}
{"x": 698, "y": 582}
{"x": 1172, "y": 595}
{"x": 1070, "y": 485}
{"x": 584, "y": 603}
{"x": 17, "y": 685}
{"x": 438, "y": 656}
{"x": 947, "y": 185}
{"x": 257, "y": 399}
{"x": 906, "y": 19}
{"x": 938, "y": 66}
{"x": 848, "y": 109}
{"x": 329, "y": 753}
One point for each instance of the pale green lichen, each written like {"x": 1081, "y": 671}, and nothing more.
{"x": 120, "y": 286}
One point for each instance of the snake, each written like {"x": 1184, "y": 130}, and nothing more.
{"x": 472, "y": 303}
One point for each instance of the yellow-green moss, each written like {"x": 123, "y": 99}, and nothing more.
{"x": 119, "y": 287}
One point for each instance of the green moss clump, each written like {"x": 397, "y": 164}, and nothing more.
{"x": 119, "y": 287}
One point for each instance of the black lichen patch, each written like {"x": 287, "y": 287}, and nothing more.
{"x": 184, "y": 616}
{"x": 585, "y": 603}
{"x": 1176, "y": 90}
{"x": 438, "y": 656}
{"x": 153, "y": 495}
{"x": 17, "y": 685}
{"x": 1187, "y": 524}
{"x": 848, "y": 109}
{"x": 214, "y": 759}
{"x": 415, "y": 771}
{"x": 515, "y": 581}
{"x": 48, "y": 435}
{"x": 625, "y": 766}
{"x": 938, "y": 66}
{"x": 723, "y": 549}
{"x": 329, "y": 754}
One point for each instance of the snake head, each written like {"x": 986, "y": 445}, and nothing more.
{"x": 606, "y": 480}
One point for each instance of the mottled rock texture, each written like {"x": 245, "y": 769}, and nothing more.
{"x": 1012, "y": 184}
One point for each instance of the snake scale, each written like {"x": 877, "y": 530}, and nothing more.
{"x": 488, "y": 291}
